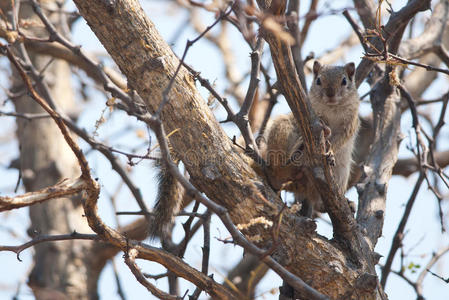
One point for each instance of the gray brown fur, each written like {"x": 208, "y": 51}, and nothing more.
{"x": 333, "y": 96}
{"x": 168, "y": 201}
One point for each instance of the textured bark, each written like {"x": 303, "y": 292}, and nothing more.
{"x": 383, "y": 155}
{"x": 342, "y": 268}
{"x": 60, "y": 270}
{"x": 215, "y": 167}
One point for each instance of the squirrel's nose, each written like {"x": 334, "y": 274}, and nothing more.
{"x": 330, "y": 92}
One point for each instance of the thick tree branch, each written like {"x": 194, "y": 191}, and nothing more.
{"x": 432, "y": 35}
{"x": 130, "y": 257}
{"x": 378, "y": 167}
{"x": 215, "y": 167}
{"x": 238, "y": 238}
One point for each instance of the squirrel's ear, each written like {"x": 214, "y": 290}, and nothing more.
{"x": 316, "y": 67}
{"x": 350, "y": 69}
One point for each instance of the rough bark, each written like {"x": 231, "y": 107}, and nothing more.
{"x": 215, "y": 167}
{"x": 60, "y": 270}
{"x": 380, "y": 162}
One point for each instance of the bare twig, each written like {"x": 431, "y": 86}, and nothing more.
{"x": 64, "y": 188}
{"x": 356, "y": 29}
{"x": 25, "y": 116}
{"x": 396, "y": 59}
{"x": 241, "y": 118}
{"x": 430, "y": 264}
{"x": 182, "y": 246}
{"x": 398, "y": 236}
{"x": 438, "y": 276}
{"x": 107, "y": 152}
{"x": 188, "y": 231}
{"x": 418, "y": 284}
{"x": 206, "y": 253}
{"x": 96, "y": 68}
{"x": 49, "y": 238}
{"x": 310, "y": 17}
{"x": 299, "y": 36}
{"x": 120, "y": 291}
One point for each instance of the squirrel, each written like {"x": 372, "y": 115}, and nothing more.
{"x": 334, "y": 98}
{"x": 168, "y": 202}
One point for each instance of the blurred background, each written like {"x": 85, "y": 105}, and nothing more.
{"x": 177, "y": 23}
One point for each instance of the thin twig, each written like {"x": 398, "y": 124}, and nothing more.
{"x": 49, "y": 238}
{"x": 26, "y": 116}
{"x": 397, "y": 239}
{"x": 115, "y": 164}
{"x": 118, "y": 282}
{"x": 187, "y": 229}
{"x": 356, "y": 29}
{"x": 206, "y": 254}
{"x": 54, "y": 35}
{"x": 410, "y": 62}
{"x": 309, "y": 18}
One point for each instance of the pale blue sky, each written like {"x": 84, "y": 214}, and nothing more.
{"x": 325, "y": 34}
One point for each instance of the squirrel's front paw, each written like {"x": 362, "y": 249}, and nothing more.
{"x": 330, "y": 158}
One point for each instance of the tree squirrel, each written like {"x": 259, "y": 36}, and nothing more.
{"x": 333, "y": 97}
{"x": 168, "y": 203}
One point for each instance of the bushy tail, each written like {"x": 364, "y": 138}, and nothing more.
{"x": 168, "y": 201}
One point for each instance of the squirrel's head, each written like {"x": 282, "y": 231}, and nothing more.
{"x": 333, "y": 85}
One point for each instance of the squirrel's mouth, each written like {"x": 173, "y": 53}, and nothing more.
{"x": 332, "y": 100}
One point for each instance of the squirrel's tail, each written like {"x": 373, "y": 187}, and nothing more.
{"x": 168, "y": 201}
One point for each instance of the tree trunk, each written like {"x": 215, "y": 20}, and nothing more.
{"x": 60, "y": 269}
{"x": 216, "y": 167}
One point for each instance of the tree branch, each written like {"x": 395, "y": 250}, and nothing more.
{"x": 49, "y": 238}
{"x": 215, "y": 167}
{"x": 65, "y": 187}
{"x": 130, "y": 257}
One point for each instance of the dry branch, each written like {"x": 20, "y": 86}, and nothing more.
{"x": 130, "y": 257}
{"x": 48, "y": 238}
{"x": 64, "y": 188}
{"x": 215, "y": 167}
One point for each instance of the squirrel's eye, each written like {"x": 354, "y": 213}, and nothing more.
{"x": 343, "y": 82}
{"x": 318, "y": 81}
